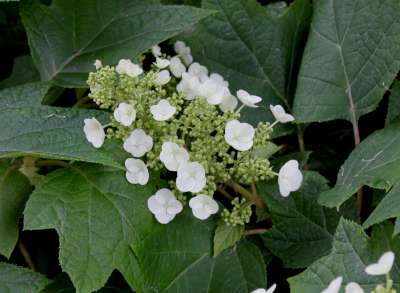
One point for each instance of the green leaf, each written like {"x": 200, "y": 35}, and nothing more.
{"x": 97, "y": 215}
{"x": 51, "y": 132}
{"x": 302, "y": 229}
{"x": 178, "y": 258}
{"x": 226, "y": 236}
{"x": 14, "y": 279}
{"x": 352, "y": 252}
{"x": 375, "y": 162}
{"x": 253, "y": 49}
{"x": 388, "y": 207}
{"x": 24, "y": 71}
{"x": 14, "y": 192}
{"x": 67, "y": 36}
{"x": 394, "y": 104}
{"x": 351, "y": 57}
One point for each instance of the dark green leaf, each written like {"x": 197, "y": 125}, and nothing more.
{"x": 68, "y": 36}
{"x": 302, "y": 229}
{"x": 23, "y": 72}
{"x": 14, "y": 192}
{"x": 394, "y": 104}
{"x": 375, "y": 162}
{"x": 352, "y": 252}
{"x": 352, "y": 55}
{"x": 226, "y": 236}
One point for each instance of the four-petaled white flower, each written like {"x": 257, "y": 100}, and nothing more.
{"x": 162, "y": 78}
{"x": 136, "y": 171}
{"x": 156, "y": 51}
{"x": 164, "y": 205}
{"x": 163, "y": 110}
{"x": 184, "y": 52}
{"x": 280, "y": 114}
{"x": 383, "y": 266}
{"x": 353, "y": 287}
{"x": 98, "y": 64}
{"x": 289, "y": 178}
{"x": 125, "y": 114}
{"x": 176, "y": 66}
{"x": 125, "y": 66}
{"x": 334, "y": 286}
{"x": 138, "y": 143}
{"x": 189, "y": 86}
{"x": 212, "y": 91}
{"x": 191, "y": 177}
{"x": 198, "y": 70}
{"x": 203, "y": 206}
{"x": 172, "y": 155}
{"x": 228, "y": 103}
{"x": 239, "y": 135}
{"x": 161, "y": 63}
{"x": 94, "y": 132}
{"x": 262, "y": 290}
{"x": 247, "y": 99}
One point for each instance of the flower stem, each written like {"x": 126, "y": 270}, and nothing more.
{"x": 250, "y": 196}
{"x": 221, "y": 190}
{"x": 26, "y": 256}
{"x": 257, "y": 231}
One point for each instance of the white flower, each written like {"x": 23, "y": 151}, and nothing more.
{"x": 353, "y": 287}
{"x": 334, "y": 286}
{"x": 98, "y": 64}
{"x": 163, "y": 77}
{"x": 136, "y": 171}
{"x": 138, "y": 143}
{"x": 262, "y": 290}
{"x": 239, "y": 135}
{"x": 219, "y": 79}
{"x": 172, "y": 155}
{"x": 184, "y": 52}
{"x": 125, "y": 114}
{"x": 164, "y": 205}
{"x": 125, "y": 66}
{"x": 228, "y": 103}
{"x": 198, "y": 70}
{"x": 180, "y": 47}
{"x": 280, "y": 114}
{"x": 162, "y": 111}
{"x": 212, "y": 91}
{"x": 94, "y": 132}
{"x": 189, "y": 86}
{"x": 289, "y": 178}
{"x": 176, "y": 67}
{"x": 383, "y": 266}
{"x": 248, "y": 99}
{"x": 156, "y": 51}
{"x": 161, "y": 63}
{"x": 187, "y": 58}
{"x": 203, "y": 206}
{"x": 191, "y": 177}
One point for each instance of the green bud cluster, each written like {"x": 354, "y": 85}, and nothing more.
{"x": 240, "y": 214}
{"x": 385, "y": 289}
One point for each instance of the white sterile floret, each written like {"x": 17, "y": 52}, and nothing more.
{"x": 212, "y": 91}
{"x": 184, "y": 52}
{"x": 164, "y": 205}
{"x": 191, "y": 177}
{"x": 219, "y": 79}
{"x": 383, "y": 266}
{"x": 239, "y": 135}
{"x": 156, "y": 51}
{"x": 94, "y": 132}
{"x": 125, "y": 114}
{"x": 172, "y": 155}
{"x": 138, "y": 143}
{"x": 163, "y": 77}
{"x": 180, "y": 47}
{"x": 162, "y": 111}
{"x": 187, "y": 58}
{"x": 198, "y": 70}
{"x": 334, "y": 286}
{"x": 289, "y": 178}
{"x": 203, "y": 206}
{"x": 98, "y": 64}
{"x": 161, "y": 63}
{"x": 228, "y": 103}
{"x": 136, "y": 171}
{"x": 262, "y": 290}
{"x": 125, "y": 66}
{"x": 280, "y": 114}
{"x": 189, "y": 86}
{"x": 247, "y": 99}
{"x": 176, "y": 67}
{"x": 353, "y": 287}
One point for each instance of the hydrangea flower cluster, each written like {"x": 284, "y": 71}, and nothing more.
{"x": 179, "y": 118}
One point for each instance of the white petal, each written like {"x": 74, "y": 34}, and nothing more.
{"x": 383, "y": 266}
{"x": 228, "y": 103}
{"x": 154, "y": 205}
{"x": 259, "y": 290}
{"x": 271, "y": 289}
{"x": 280, "y": 115}
{"x": 162, "y": 111}
{"x": 289, "y": 178}
{"x": 164, "y": 217}
{"x": 98, "y": 64}
{"x": 239, "y": 135}
{"x": 125, "y": 66}
{"x": 247, "y": 99}
{"x": 334, "y": 286}
{"x": 187, "y": 59}
{"x": 125, "y": 114}
{"x": 175, "y": 207}
{"x": 353, "y": 287}
{"x": 156, "y": 51}
{"x": 176, "y": 67}
{"x": 201, "y": 214}
{"x": 179, "y": 47}
{"x": 94, "y": 132}
{"x": 161, "y": 63}
{"x": 138, "y": 143}
{"x": 162, "y": 78}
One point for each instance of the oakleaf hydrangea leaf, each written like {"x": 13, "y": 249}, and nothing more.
{"x": 375, "y": 162}
{"x": 352, "y": 251}
{"x": 68, "y": 36}
{"x": 14, "y": 192}
{"x": 97, "y": 215}
{"x": 352, "y": 55}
